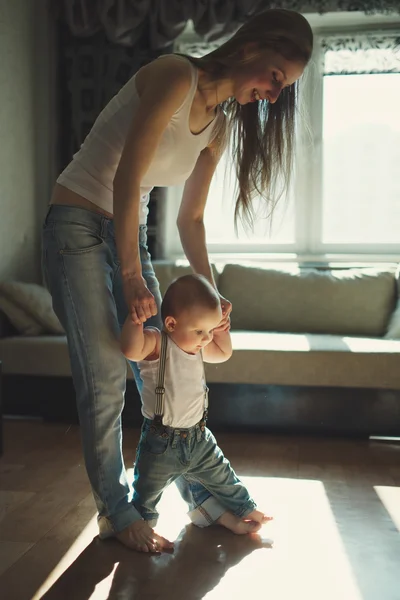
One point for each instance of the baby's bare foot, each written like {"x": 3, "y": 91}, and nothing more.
{"x": 139, "y": 536}
{"x": 258, "y": 516}
{"x": 236, "y": 524}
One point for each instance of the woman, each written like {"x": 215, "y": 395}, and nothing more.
{"x": 166, "y": 126}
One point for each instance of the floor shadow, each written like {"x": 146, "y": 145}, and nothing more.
{"x": 200, "y": 560}
{"x": 370, "y": 538}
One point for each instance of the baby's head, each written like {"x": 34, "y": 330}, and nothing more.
{"x": 190, "y": 310}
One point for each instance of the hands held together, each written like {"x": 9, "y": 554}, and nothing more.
{"x": 139, "y": 299}
{"x": 225, "y": 323}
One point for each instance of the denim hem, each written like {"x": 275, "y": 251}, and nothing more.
{"x": 149, "y": 517}
{"x": 207, "y": 513}
{"x": 245, "y": 509}
{"x": 108, "y": 526}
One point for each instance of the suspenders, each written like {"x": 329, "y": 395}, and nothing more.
{"x": 160, "y": 389}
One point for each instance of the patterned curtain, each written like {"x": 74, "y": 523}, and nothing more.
{"x": 361, "y": 54}
{"x": 123, "y": 21}
{"x": 91, "y": 71}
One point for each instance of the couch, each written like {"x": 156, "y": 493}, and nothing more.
{"x": 291, "y": 326}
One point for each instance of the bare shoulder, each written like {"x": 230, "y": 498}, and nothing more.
{"x": 169, "y": 74}
{"x": 155, "y": 334}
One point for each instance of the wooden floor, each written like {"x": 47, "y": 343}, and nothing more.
{"x": 335, "y": 535}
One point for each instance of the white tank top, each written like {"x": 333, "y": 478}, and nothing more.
{"x": 184, "y": 387}
{"x": 91, "y": 172}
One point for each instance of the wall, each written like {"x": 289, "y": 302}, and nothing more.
{"x": 24, "y": 134}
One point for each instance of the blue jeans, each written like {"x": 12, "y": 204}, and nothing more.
{"x": 82, "y": 272}
{"x": 164, "y": 455}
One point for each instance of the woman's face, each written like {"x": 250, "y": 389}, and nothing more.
{"x": 265, "y": 78}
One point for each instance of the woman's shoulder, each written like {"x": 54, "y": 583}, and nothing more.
{"x": 169, "y": 71}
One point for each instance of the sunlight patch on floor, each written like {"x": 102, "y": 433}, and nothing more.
{"x": 308, "y": 552}
{"x": 102, "y": 589}
{"x": 81, "y": 542}
{"x": 307, "y": 555}
{"x": 173, "y": 519}
{"x": 390, "y": 498}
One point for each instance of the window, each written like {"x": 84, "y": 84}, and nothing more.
{"x": 345, "y": 195}
{"x": 361, "y": 142}
{"x": 220, "y": 210}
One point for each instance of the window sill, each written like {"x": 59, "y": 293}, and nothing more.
{"x": 273, "y": 259}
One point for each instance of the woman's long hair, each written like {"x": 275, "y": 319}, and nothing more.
{"x": 261, "y": 133}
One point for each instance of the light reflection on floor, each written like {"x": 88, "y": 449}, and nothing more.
{"x": 306, "y": 558}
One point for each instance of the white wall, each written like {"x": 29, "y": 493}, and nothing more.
{"x": 24, "y": 135}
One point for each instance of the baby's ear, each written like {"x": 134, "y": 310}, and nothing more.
{"x": 170, "y": 323}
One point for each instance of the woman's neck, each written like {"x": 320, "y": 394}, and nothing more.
{"x": 214, "y": 91}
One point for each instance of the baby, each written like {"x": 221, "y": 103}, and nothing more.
{"x": 175, "y": 439}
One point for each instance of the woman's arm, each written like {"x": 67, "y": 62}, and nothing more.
{"x": 190, "y": 217}
{"x": 191, "y": 212}
{"x": 162, "y": 86}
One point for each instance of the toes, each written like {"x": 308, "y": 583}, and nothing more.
{"x": 266, "y": 519}
{"x": 252, "y": 526}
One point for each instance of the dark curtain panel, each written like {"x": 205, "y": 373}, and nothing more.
{"x": 91, "y": 71}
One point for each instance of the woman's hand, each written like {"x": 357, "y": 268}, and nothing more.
{"x": 226, "y": 306}
{"x": 139, "y": 299}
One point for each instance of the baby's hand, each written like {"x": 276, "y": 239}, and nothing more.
{"x": 223, "y": 325}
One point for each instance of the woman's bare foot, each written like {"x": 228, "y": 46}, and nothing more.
{"x": 139, "y": 536}
{"x": 237, "y": 525}
{"x": 258, "y": 516}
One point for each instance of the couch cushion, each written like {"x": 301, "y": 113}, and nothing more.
{"x": 29, "y": 308}
{"x": 310, "y": 360}
{"x": 393, "y": 330}
{"x": 259, "y": 357}
{"x": 343, "y": 301}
